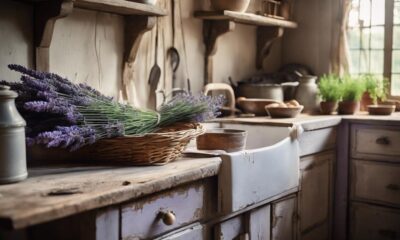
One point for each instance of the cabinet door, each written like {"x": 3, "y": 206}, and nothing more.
{"x": 315, "y": 190}
{"x": 194, "y": 232}
{"x": 260, "y": 223}
{"x": 284, "y": 220}
{"x": 373, "y": 222}
{"x": 232, "y": 228}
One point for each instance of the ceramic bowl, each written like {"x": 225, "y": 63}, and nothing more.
{"x": 230, "y": 140}
{"x": 381, "y": 109}
{"x": 254, "y": 105}
{"x": 283, "y": 112}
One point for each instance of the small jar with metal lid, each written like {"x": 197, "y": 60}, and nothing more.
{"x": 12, "y": 139}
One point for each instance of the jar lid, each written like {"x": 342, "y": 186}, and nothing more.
{"x": 6, "y": 93}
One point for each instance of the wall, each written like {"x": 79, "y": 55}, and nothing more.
{"x": 311, "y": 42}
{"x": 87, "y": 47}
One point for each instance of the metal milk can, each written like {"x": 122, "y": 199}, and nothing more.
{"x": 12, "y": 139}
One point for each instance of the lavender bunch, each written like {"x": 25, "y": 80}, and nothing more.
{"x": 60, "y": 113}
{"x": 187, "y": 107}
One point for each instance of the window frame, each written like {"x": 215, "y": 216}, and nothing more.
{"x": 388, "y": 44}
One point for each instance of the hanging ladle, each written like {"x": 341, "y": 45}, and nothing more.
{"x": 154, "y": 76}
{"x": 172, "y": 52}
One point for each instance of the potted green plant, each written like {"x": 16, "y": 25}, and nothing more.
{"x": 352, "y": 89}
{"x": 376, "y": 89}
{"x": 329, "y": 89}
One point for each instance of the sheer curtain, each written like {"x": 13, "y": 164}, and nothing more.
{"x": 340, "y": 55}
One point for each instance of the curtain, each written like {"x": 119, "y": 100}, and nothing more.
{"x": 341, "y": 57}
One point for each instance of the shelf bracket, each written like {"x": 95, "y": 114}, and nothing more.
{"x": 265, "y": 38}
{"x": 46, "y": 15}
{"x": 135, "y": 27}
{"x": 212, "y": 30}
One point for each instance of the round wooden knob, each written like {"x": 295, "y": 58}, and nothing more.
{"x": 168, "y": 218}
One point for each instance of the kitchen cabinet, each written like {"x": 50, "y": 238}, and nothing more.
{"x": 275, "y": 221}
{"x": 316, "y": 193}
{"x": 284, "y": 219}
{"x": 374, "y": 182}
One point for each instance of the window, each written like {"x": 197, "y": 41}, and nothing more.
{"x": 373, "y": 32}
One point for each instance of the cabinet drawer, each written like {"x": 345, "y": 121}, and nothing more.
{"x": 143, "y": 219}
{"x": 377, "y": 143}
{"x": 372, "y": 222}
{"x": 376, "y": 181}
{"x": 317, "y": 141}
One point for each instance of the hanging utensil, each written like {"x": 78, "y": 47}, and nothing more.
{"x": 189, "y": 88}
{"x": 172, "y": 52}
{"x": 154, "y": 76}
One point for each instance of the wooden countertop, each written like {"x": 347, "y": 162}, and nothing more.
{"x": 312, "y": 122}
{"x": 55, "y": 192}
{"x": 308, "y": 122}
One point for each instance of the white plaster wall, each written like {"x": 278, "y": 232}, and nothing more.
{"x": 87, "y": 47}
{"x": 311, "y": 42}
{"x": 16, "y": 34}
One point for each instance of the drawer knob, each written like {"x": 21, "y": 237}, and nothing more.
{"x": 168, "y": 218}
{"x": 383, "y": 141}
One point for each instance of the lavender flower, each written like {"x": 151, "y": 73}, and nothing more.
{"x": 188, "y": 107}
{"x": 72, "y": 137}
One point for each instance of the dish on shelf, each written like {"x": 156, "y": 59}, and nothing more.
{"x": 381, "y": 109}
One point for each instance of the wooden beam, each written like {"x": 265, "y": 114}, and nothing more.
{"x": 212, "y": 30}
{"x": 46, "y": 15}
{"x": 135, "y": 27}
{"x": 265, "y": 38}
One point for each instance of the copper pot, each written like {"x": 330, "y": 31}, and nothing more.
{"x": 231, "y": 5}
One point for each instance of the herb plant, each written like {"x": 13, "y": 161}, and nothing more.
{"x": 60, "y": 113}
{"x": 352, "y": 88}
{"x": 376, "y": 87}
{"x": 329, "y": 88}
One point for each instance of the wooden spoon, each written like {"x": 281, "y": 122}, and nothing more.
{"x": 154, "y": 77}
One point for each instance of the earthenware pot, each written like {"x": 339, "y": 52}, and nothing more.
{"x": 328, "y": 107}
{"x": 231, "y": 5}
{"x": 348, "y": 107}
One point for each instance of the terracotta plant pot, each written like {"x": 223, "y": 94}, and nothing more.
{"x": 348, "y": 107}
{"x": 231, "y": 5}
{"x": 328, "y": 107}
{"x": 365, "y": 101}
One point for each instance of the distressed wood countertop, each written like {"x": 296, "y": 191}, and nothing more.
{"x": 55, "y": 192}
{"x": 312, "y": 122}
{"x": 308, "y": 122}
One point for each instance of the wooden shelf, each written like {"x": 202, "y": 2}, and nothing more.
{"x": 245, "y": 18}
{"x": 217, "y": 23}
{"x": 122, "y": 7}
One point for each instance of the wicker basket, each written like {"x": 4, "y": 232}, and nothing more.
{"x": 157, "y": 148}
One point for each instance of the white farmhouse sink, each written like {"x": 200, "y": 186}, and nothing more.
{"x": 268, "y": 167}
